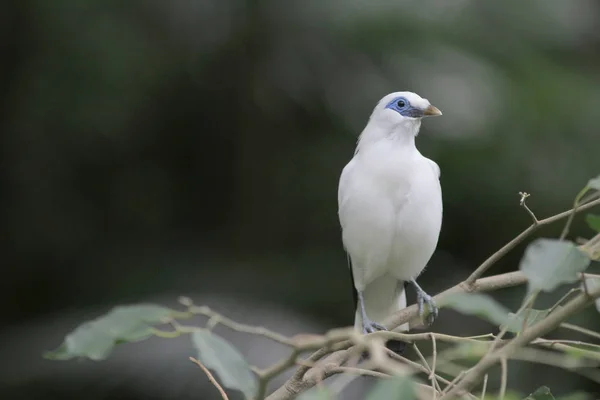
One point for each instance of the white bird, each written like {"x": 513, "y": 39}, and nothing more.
{"x": 390, "y": 210}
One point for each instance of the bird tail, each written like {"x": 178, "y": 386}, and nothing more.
{"x": 383, "y": 297}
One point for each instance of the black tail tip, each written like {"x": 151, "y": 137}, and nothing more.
{"x": 397, "y": 346}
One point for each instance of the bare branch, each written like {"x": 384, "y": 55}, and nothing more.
{"x": 487, "y": 284}
{"x": 418, "y": 367}
{"x": 504, "y": 378}
{"x": 523, "y": 203}
{"x": 541, "y": 328}
{"x": 211, "y": 378}
{"x": 430, "y": 370}
{"x": 434, "y": 362}
{"x": 522, "y": 236}
{"x": 580, "y": 329}
{"x": 576, "y": 204}
{"x": 485, "y": 380}
{"x": 217, "y": 318}
{"x": 453, "y": 382}
{"x": 345, "y": 342}
{"x": 299, "y": 383}
{"x": 360, "y": 371}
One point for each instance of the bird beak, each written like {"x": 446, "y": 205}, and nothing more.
{"x": 431, "y": 111}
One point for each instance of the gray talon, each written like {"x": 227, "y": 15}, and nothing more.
{"x": 424, "y": 299}
{"x": 368, "y": 325}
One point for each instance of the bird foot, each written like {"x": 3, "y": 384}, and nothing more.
{"x": 424, "y": 299}
{"x": 370, "y": 326}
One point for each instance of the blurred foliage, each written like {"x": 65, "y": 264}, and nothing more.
{"x": 547, "y": 264}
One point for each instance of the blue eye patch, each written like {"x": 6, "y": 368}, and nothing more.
{"x": 403, "y": 107}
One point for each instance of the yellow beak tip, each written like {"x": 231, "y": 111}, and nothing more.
{"x": 432, "y": 111}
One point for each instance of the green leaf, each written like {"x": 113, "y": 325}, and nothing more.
{"x": 547, "y": 263}
{"x": 542, "y": 393}
{"x": 594, "y": 183}
{"x": 515, "y": 321}
{"x": 393, "y": 388}
{"x": 477, "y": 304}
{"x": 231, "y": 367}
{"x": 593, "y": 221}
{"x": 317, "y": 393}
{"x": 95, "y": 339}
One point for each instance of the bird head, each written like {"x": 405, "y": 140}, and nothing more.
{"x": 403, "y": 109}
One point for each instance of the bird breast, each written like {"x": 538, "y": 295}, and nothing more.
{"x": 394, "y": 213}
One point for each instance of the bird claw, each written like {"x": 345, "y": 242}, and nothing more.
{"x": 425, "y": 299}
{"x": 370, "y": 327}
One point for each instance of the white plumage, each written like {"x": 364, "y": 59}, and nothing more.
{"x": 390, "y": 208}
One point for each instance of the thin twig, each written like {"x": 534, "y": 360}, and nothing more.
{"x": 590, "y": 353}
{"x": 453, "y": 382}
{"x": 567, "y": 226}
{"x": 576, "y": 328}
{"x": 377, "y": 352}
{"x": 217, "y": 318}
{"x": 434, "y": 362}
{"x": 264, "y": 376}
{"x": 414, "y": 365}
{"x": 485, "y": 380}
{"x": 416, "y": 337}
{"x": 526, "y": 303}
{"x": 165, "y": 334}
{"x": 552, "y": 359}
{"x": 344, "y": 380}
{"x": 552, "y": 342}
{"x": 431, "y": 373}
{"x": 211, "y": 378}
{"x": 522, "y": 236}
{"x": 539, "y": 329}
{"x": 360, "y": 371}
{"x": 419, "y": 367}
{"x": 560, "y": 301}
{"x": 432, "y": 377}
{"x": 504, "y": 378}
{"x": 528, "y": 308}
{"x": 524, "y": 196}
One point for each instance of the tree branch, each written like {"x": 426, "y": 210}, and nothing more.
{"x": 297, "y": 383}
{"x": 487, "y": 284}
{"x": 523, "y": 235}
{"x": 551, "y": 322}
{"x": 345, "y": 340}
{"x": 211, "y": 378}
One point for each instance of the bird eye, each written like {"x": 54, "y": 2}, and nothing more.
{"x": 401, "y": 103}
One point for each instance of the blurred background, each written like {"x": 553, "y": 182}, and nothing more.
{"x": 152, "y": 149}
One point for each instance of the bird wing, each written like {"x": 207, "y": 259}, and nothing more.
{"x": 344, "y": 186}
{"x": 436, "y": 168}
{"x": 367, "y": 218}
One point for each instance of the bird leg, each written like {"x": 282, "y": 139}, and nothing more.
{"x": 422, "y": 299}
{"x": 368, "y": 325}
